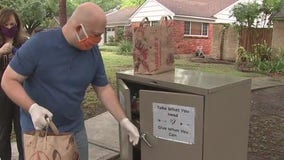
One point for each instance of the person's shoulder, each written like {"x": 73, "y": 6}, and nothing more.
{"x": 47, "y": 32}
{"x": 96, "y": 48}
{"x": 47, "y": 35}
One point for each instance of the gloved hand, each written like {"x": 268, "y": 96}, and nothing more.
{"x": 131, "y": 129}
{"x": 39, "y": 115}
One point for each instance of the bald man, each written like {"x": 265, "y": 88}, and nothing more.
{"x": 49, "y": 75}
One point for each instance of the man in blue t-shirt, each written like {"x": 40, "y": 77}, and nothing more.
{"x": 49, "y": 75}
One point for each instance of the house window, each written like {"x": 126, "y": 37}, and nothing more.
{"x": 154, "y": 23}
{"x": 151, "y": 23}
{"x": 196, "y": 29}
{"x": 110, "y": 29}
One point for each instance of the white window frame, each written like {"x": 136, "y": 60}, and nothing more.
{"x": 202, "y": 29}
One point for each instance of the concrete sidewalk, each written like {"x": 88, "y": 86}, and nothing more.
{"x": 266, "y": 82}
{"x": 103, "y": 132}
{"x": 103, "y": 137}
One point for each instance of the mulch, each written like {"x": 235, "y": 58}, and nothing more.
{"x": 266, "y": 131}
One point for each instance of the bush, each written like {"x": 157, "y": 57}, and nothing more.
{"x": 111, "y": 41}
{"x": 125, "y": 48}
{"x": 262, "y": 51}
{"x": 245, "y": 60}
{"x": 275, "y": 65}
{"x": 261, "y": 59}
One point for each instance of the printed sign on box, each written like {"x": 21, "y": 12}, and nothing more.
{"x": 174, "y": 122}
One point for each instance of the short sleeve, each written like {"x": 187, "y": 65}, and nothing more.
{"x": 100, "y": 78}
{"x": 26, "y": 57}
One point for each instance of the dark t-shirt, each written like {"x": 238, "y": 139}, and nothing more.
{"x": 7, "y": 57}
{"x": 58, "y": 75}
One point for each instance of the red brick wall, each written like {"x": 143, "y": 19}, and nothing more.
{"x": 189, "y": 44}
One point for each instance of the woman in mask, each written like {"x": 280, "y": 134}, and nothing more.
{"x": 11, "y": 38}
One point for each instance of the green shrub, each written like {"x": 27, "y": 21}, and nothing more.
{"x": 245, "y": 61}
{"x": 120, "y": 34}
{"x": 274, "y": 65}
{"x": 261, "y": 60}
{"x": 125, "y": 48}
{"x": 262, "y": 51}
{"x": 111, "y": 41}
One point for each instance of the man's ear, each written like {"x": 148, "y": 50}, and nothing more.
{"x": 78, "y": 27}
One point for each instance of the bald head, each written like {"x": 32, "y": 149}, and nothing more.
{"x": 88, "y": 14}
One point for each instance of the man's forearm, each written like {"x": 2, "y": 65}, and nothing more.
{"x": 110, "y": 101}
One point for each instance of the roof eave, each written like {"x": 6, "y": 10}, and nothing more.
{"x": 194, "y": 18}
{"x": 118, "y": 24}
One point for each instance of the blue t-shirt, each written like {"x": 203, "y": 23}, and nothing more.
{"x": 58, "y": 76}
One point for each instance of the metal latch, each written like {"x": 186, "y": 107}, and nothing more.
{"x": 143, "y": 137}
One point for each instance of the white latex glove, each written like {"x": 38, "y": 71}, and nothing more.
{"x": 39, "y": 115}
{"x": 131, "y": 129}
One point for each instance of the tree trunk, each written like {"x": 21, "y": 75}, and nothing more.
{"x": 62, "y": 12}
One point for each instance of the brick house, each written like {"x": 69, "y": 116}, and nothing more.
{"x": 197, "y": 23}
{"x": 193, "y": 20}
{"x": 117, "y": 20}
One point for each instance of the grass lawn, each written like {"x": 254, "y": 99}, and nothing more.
{"x": 219, "y": 68}
{"x": 114, "y": 63}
